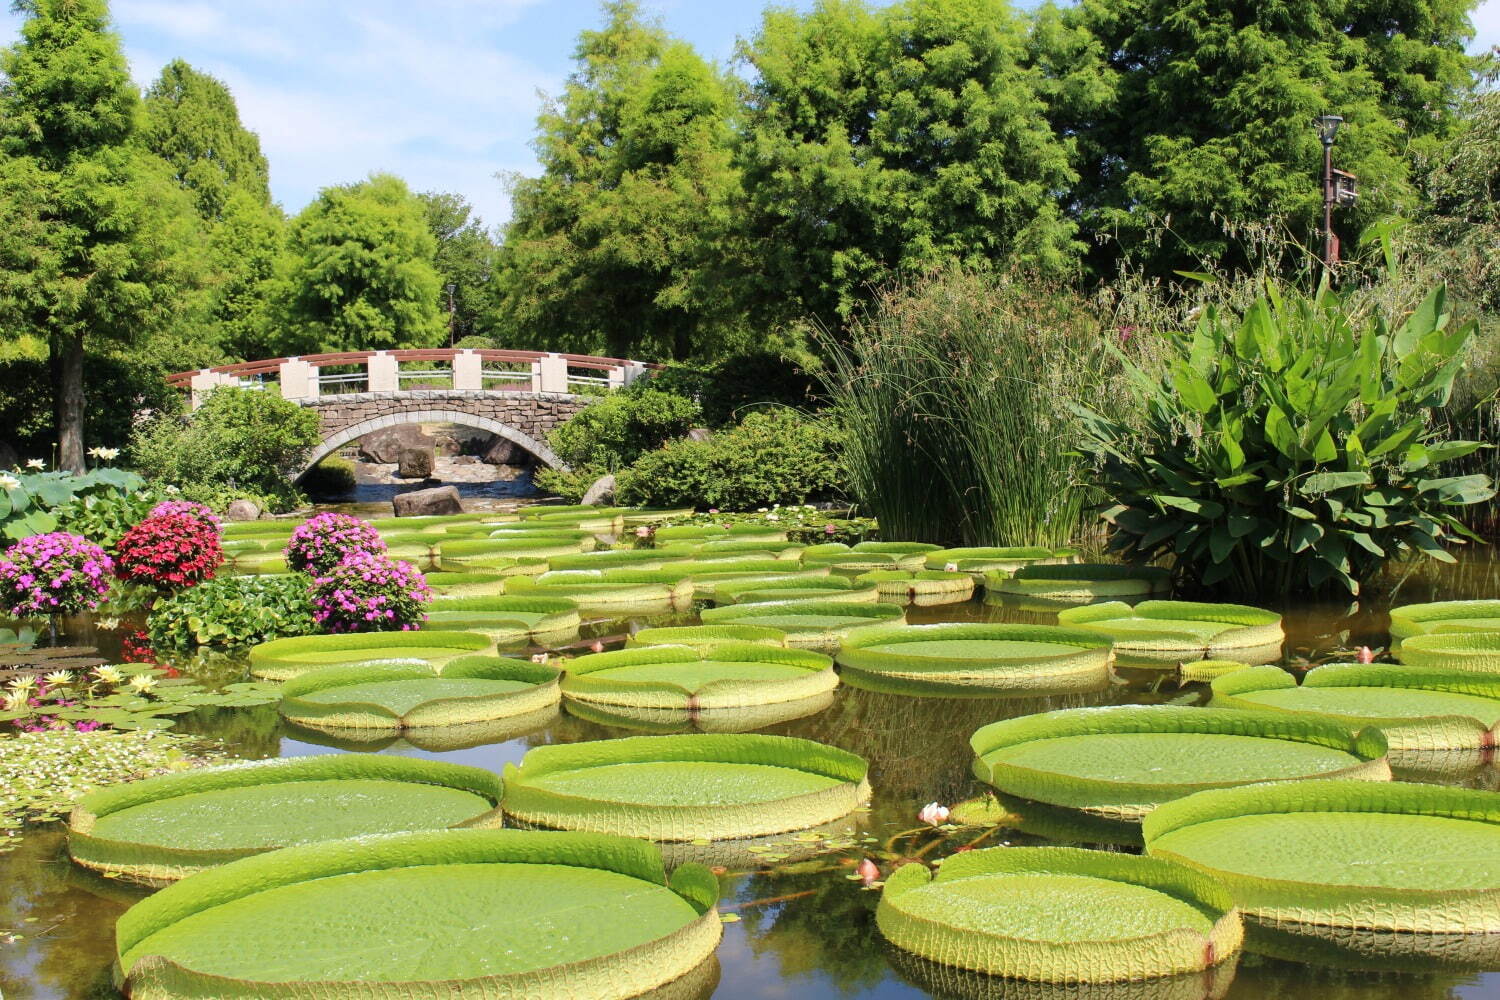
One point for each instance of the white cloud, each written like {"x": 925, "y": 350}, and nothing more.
{"x": 1486, "y": 26}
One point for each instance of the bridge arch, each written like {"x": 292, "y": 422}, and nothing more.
{"x": 353, "y": 432}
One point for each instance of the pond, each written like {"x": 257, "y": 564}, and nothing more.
{"x": 805, "y": 929}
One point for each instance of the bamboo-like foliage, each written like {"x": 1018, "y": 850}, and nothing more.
{"x": 956, "y": 392}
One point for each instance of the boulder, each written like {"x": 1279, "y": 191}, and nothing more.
{"x": 385, "y": 446}
{"x": 503, "y": 451}
{"x": 602, "y": 490}
{"x": 421, "y": 503}
{"x": 415, "y": 463}
{"x": 243, "y": 510}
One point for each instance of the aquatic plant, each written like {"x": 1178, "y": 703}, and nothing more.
{"x": 1173, "y": 631}
{"x": 283, "y": 659}
{"x": 1289, "y": 449}
{"x": 969, "y": 659}
{"x": 321, "y": 542}
{"x": 367, "y": 592}
{"x": 724, "y": 675}
{"x": 53, "y": 574}
{"x": 233, "y": 610}
{"x": 169, "y": 552}
{"x": 816, "y": 622}
{"x": 506, "y": 618}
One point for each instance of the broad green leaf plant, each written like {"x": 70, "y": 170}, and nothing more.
{"x": 1289, "y": 449}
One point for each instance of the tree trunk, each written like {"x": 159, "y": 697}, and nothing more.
{"x": 68, "y": 365}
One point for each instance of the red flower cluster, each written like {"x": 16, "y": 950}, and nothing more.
{"x": 136, "y": 648}
{"x": 169, "y": 552}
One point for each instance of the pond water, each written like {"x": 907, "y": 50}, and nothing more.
{"x": 805, "y": 929}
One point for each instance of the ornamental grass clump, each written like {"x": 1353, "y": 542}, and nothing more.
{"x": 169, "y": 551}
{"x": 53, "y": 574}
{"x": 368, "y": 592}
{"x": 321, "y": 543}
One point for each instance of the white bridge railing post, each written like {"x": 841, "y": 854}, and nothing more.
{"x": 299, "y": 380}
{"x": 468, "y": 372}
{"x": 382, "y": 373}
{"x": 551, "y": 374}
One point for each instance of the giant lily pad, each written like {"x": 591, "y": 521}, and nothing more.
{"x": 611, "y": 559}
{"x": 392, "y": 697}
{"x": 685, "y": 719}
{"x": 283, "y": 659}
{"x": 1474, "y": 651}
{"x": 1421, "y": 710}
{"x": 979, "y": 561}
{"x": 709, "y": 532}
{"x": 923, "y": 588}
{"x": 1444, "y": 616}
{"x": 1155, "y": 632}
{"x": 1061, "y": 915}
{"x": 675, "y": 788}
{"x": 867, "y": 556}
{"x": 795, "y": 588}
{"x": 608, "y": 589}
{"x": 968, "y": 658}
{"x": 1320, "y": 856}
{"x": 808, "y": 623}
{"x": 436, "y": 739}
{"x": 160, "y": 829}
{"x": 948, "y": 982}
{"x": 492, "y": 913}
{"x": 685, "y": 677}
{"x": 707, "y": 575}
{"x": 506, "y": 619}
{"x": 1046, "y": 586}
{"x": 446, "y": 584}
{"x": 707, "y": 636}
{"x": 503, "y": 555}
{"x": 1123, "y": 761}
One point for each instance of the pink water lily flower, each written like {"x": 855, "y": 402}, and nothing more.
{"x": 868, "y": 872}
{"x": 597, "y": 646}
{"x": 933, "y": 814}
{"x": 1366, "y": 655}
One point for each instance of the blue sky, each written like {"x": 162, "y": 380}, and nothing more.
{"x": 443, "y": 92}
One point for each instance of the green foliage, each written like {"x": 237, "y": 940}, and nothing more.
{"x": 358, "y": 272}
{"x": 1212, "y": 116}
{"x": 1288, "y": 450}
{"x": 190, "y": 120}
{"x": 100, "y": 505}
{"x": 774, "y": 456}
{"x": 1462, "y": 220}
{"x": 628, "y": 243}
{"x": 121, "y": 383}
{"x": 243, "y": 250}
{"x": 240, "y": 442}
{"x": 465, "y": 259}
{"x": 890, "y": 140}
{"x": 955, "y": 395}
{"x": 738, "y": 382}
{"x": 233, "y": 610}
{"x": 623, "y": 426}
{"x": 332, "y": 477}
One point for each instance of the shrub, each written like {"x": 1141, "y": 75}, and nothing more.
{"x": 321, "y": 543}
{"x": 100, "y": 504}
{"x": 622, "y": 426}
{"x": 954, "y": 392}
{"x": 1287, "y": 449}
{"x": 240, "y": 442}
{"x": 367, "y": 592}
{"x": 735, "y": 385}
{"x": 332, "y": 477}
{"x": 233, "y": 610}
{"x": 53, "y": 574}
{"x": 169, "y": 551}
{"x": 774, "y": 456}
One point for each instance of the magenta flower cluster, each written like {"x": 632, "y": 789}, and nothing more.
{"x": 53, "y": 574}
{"x": 321, "y": 543}
{"x": 202, "y": 512}
{"x": 368, "y": 592}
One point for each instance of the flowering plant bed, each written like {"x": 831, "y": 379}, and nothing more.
{"x": 367, "y": 592}
{"x": 322, "y": 542}
{"x": 53, "y": 574}
{"x": 169, "y": 551}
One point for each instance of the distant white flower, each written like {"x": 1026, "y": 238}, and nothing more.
{"x": 35, "y": 463}
{"x": 105, "y": 454}
{"x": 59, "y": 677}
{"x": 107, "y": 624}
{"x": 143, "y": 682}
{"x": 8, "y": 482}
{"x": 109, "y": 675}
{"x": 950, "y": 567}
{"x": 23, "y": 684}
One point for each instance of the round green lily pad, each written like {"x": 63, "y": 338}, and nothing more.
{"x": 1475, "y": 651}
{"x": 1123, "y": 761}
{"x": 808, "y": 623}
{"x": 952, "y": 983}
{"x": 981, "y": 657}
{"x": 1444, "y": 616}
{"x": 1421, "y": 710}
{"x": 707, "y": 636}
{"x": 477, "y": 584}
{"x": 981, "y": 560}
{"x": 708, "y": 575}
{"x": 283, "y": 659}
{"x": 1319, "y": 855}
{"x": 608, "y": 589}
{"x": 393, "y": 697}
{"x": 1156, "y": 632}
{"x": 507, "y": 619}
{"x": 723, "y": 675}
{"x": 684, "y": 719}
{"x": 503, "y": 555}
{"x": 1060, "y": 915}
{"x": 435, "y": 739}
{"x": 920, "y": 587}
{"x": 160, "y": 829}
{"x": 1045, "y": 587}
{"x": 795, "y": 588}
{"x": 867, "y": 556}
{"x": 493, "y": 913}
{"x": 692, "y": 787}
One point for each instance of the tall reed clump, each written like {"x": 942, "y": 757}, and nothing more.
{"x": 956, "y": 394}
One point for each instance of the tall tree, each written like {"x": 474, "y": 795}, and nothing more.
{"x": 627, "y": 243}
{"x": 358, "y": 274}
{"x": 1461, "y": 227}
{"x": 243, "y": 251}
{"x": 1212, "y": 123}
{"x": 888, "y": 141}
{"x": 465, "y": 261}
{"x": 91, "y": 242}
{"x": 192, "y": 122}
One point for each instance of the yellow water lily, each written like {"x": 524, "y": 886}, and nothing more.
{"x": 143, "y": 682}
{"x": 58, "y": 678}
{"x": 109, "y": 675}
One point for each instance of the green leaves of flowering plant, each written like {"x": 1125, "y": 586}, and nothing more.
{"x": 1288, "y": 449}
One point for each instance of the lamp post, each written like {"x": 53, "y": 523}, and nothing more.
{"x": 451, "y": 315}
{"x": 1328, "y": 130}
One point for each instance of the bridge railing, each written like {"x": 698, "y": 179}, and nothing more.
{"x": 311, "y": 377}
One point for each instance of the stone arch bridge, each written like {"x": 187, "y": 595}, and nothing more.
{"x": 516, "y": 395}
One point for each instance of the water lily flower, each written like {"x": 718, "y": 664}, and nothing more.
{"x": 829, "y": 529}
{"x": 107, "y": 624}
{"x": 933, "y": 814}
{"x": 643, "y": 532}
{"x": 596, "y": 646}
{"x": 868, "y": 871}
{"x": 35, "y": 463}
{"x": 59, "y": 678}
{"x": 109, "y": 675}
{"x": 8, "y": 482}
{"x": 538, "y": 657}
{"x": 16, "y": 702}
{"x": 713, "y": 510}
{"x": 143, "y": 682}
{"x": 950, "y": 567}
{"x": 1366, "y": 655}
{"x": 105, "y": 454}
{"x": 23, "y": 684}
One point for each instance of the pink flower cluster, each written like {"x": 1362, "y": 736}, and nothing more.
{"x": 202, "y": 512}
{"x": 368, "y": 592}
{"x": 43, "y": 723}
{"x": 53, "y": 574}
{"x": 321, "y": 543}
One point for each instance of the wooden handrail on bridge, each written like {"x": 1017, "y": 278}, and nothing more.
{"x": 301, "y": 380}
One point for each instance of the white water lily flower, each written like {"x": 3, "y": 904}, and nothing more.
{"x": 933, "y": 814}
{"x": 107, "y": 624}
{"x": 35, "y": 463}
{"x": 109, "y": 675}
{"x": 105, "y": 454}
{"x": 8, "y": 482}
{"x": 59, "y": 677}
{"x": 16, "y": 702}
{"x": 23, "y": 684}
{"x": 143, "y": 682}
